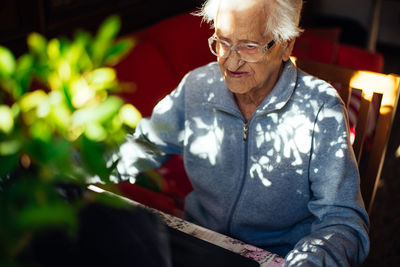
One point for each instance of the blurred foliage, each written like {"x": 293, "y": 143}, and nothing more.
{"x": 59, "y": 119}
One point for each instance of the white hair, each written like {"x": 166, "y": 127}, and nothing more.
{"x": 282, "y": 22}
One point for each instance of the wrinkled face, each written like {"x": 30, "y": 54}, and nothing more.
{"x": 244, "y": 21}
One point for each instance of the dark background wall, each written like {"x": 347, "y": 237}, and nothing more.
{"x": 63, "y": 17}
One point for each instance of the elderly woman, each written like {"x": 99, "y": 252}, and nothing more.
{"x": 265, "y": 145}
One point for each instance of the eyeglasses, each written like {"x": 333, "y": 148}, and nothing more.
{"x": 249, "y": 52}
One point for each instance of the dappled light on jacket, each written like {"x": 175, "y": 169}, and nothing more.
{"x": 293, "y": 152}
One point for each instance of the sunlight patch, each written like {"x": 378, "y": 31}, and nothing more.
{"x": 310, "y": 81}
{"x": 266, "y": 182}
{"x": 268, "y": 137}
{"x": 258, "y": 168}
{"x": 397, "y": 154}
{"x": 295, "y": 137}
{"x": 210, "y": 97}
{"x": 259, "y": 135}
{"x": 277, "y": 143}
{"x": 188, "y": 132}
{"x": 327, "y": 88}
{"x": 201, "y": 75}
{"x": 207, "y": 146}
{"x": 164, "y": 105}
{"x": 274, "y": 117}
{"x": 297, "y": 258}
{"x": 328, "y": 113}
{"x": 339, "y": 153}
{"x": 302, "y": 139}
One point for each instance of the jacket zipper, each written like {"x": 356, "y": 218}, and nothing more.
{"x": 245, "y": 131}
{"x": 245, "y": 135}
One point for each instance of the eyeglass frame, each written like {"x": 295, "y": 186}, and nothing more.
{"x": 263, "y": 48}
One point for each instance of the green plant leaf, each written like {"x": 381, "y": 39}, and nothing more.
{"x": 102, "y": 77}
{"x": 32, "y": 100}
{"x": 8, "y": 164}
{"x": 95, "y": 132}
{"x": 46, "y": 138}
{"x": 101, "y": 113}
{"x": 130, "y": 115}
{"x": 7, "y": 62}
{"x": 64, "y": 46}
{"x": 37, "y": 43}
{"x": 60, "y": 114}
{"x": 6, "y": 119}
{"x": 53, "y": 49}
{"x": 42, "y": 129}
{"x": 48, "y": 151}
{"x": 49, "y": 215}
{"x": 23, "y": 73}
{"x": 84, "y": 40}
{"x": 118, "y": 50}
{"x": 109, "y": 28}
{"x": 104, "y": 38}
{"x": 8, "y": 147}
{"x": 68, "y": 100}
{"x": 92, "y": 155}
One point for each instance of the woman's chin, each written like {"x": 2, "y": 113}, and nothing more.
{"x": 239, "y": 92}
{"x": 237, "y": 88}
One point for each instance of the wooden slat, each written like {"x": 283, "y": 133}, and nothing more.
{"x": 345, "y": 93}
{"x": 378, "y": 150}
{"x": 361, "y": 127}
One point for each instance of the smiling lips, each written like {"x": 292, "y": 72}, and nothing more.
{"x": 237, "y": 74}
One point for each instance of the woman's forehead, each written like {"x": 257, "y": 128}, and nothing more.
{"x": 249, "y": 23}
{"x": 242, "y": 5}
{"x": 240, "y": 15}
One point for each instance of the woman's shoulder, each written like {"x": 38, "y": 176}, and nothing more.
{"x": 205, "y": 73}
{"x": 203, "y": 81}
{"x": 311, "y": 87}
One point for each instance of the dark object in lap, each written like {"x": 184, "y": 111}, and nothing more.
{"x": 188, "y": 250}
{"x": 108, "y": 236}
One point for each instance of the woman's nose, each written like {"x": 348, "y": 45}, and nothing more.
{"x": 233, "y": 61}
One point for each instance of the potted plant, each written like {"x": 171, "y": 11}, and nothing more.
{"x": 59, "y": 119}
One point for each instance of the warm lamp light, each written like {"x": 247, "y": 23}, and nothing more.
{"x": 376, "y": 84}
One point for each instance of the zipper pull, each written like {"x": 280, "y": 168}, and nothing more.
{"x": 245, "y": 131}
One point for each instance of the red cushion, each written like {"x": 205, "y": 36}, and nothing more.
{"x": 315, "y": 49}
{"x": 177, "y": 182}
{"x": 358, "y": 58}
{"x": 148, "y": 198}
{"x": 183, "y": 41}
{"x": 150, "y": 73}
{"x": 327, "y": 34}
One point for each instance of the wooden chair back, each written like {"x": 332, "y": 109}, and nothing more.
{"x": 377, "y": 86}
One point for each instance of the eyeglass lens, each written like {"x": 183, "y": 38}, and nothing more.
{"x": 247, "y": 52}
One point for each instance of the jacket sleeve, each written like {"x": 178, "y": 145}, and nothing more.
{"x": 339, "y": 233}
{"x": 155, "y": 139}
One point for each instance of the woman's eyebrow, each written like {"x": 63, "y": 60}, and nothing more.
{"x": 240, "y": 41}
{"x": 246, "y": 41}
{"x": 222, "y": 37}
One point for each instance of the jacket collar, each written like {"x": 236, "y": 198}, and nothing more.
{"x": 224, "y": 100}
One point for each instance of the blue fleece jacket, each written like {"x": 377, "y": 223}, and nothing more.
{"x": 286, "y": 180}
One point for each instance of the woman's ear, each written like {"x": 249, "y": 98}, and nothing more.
{"x": 287, "y": 49}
